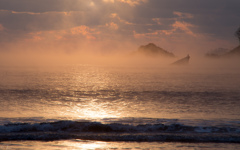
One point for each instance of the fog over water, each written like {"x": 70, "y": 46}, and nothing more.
{"x": 86, "y": 99}
{"x": 126, "y": 58}
{"x": 119, "y": 74}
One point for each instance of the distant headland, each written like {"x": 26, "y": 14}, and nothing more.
{"x": 153, "y": 51}
{"x": 224, "y": 53}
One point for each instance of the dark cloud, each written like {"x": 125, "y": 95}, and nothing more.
{"x": 39, "y": 6}
{"x": 216, "y": 18}
{"x": 30, "y": 22}
{"x": 56, "y": 14}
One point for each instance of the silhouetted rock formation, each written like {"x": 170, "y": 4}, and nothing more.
{"x": 153, "y": 50}
{"x": 217, "y": 53}
{"x": 234, "y": 52}
{"x": 183, "y": 61}
{"x": 237, "y": 34}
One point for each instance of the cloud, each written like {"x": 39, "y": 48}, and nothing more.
{"x": 214, "y": 17}
{"x": 183, "y": 15}
{"x": 157, "y": 20}
{"x": 129, "y": 2}
{"x": 83, "y": 30}
{"x": 184, "y": 27}
{"x": 112, "y": 26}
{"x": 116, "y": 16}
{"x": 39, "y": 6}
{"x": 176, "y": 28}
{"x": 135, "y": 21}
{"x": 28, "y": 21}
{"x": 73, "y": 34}
{"x": 176, "y": 25}
{"x": 109, "y": 1}
{"x": 133, "y": 2}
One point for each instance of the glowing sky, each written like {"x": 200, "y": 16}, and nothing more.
{"x": 115, "y": 25}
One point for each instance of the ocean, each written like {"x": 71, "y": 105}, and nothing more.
{"x": 88, "y": 106}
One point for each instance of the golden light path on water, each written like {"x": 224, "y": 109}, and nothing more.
{"x": 95, "y": 93}
{"x": 99, "y": 99}
{"x": 98, "y": 91}
{"x": 98, "y": 145}
{"x": 92, "y": 108}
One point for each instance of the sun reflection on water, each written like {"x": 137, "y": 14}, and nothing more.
{"x": 88, "y": 144}
{"x": 95, "y": 111}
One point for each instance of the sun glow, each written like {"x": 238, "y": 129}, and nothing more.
{"x": 92, "y": 4}
{"x": 82, "y": 144}
{"x": 111, "y": 1}
{"x": 98, "y": 114}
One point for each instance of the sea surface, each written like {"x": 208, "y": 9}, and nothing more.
{"x": 119, "y": 107}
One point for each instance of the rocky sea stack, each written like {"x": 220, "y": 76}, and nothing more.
{"x": 152, "y": 50}
{"x": 234, "y": 52}
{"x": 183, "y": 61}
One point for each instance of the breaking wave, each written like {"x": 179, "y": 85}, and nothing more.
{"x": 91, "y": 130}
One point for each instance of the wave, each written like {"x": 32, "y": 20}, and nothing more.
{"x": 90, "y": 130}
{"x": 116, "y": 93}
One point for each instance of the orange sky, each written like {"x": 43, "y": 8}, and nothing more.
{"x": 109, "y": 26}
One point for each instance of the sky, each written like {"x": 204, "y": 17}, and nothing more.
{"x": 114, "y": 26}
